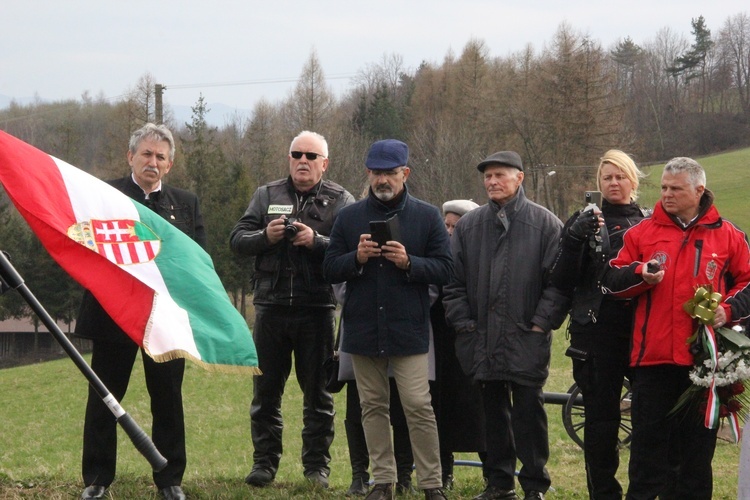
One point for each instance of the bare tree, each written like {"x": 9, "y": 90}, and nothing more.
{"x": 266, "y": 142}
{"x": 142, "y": 96}
{"x": 734, "y": 43}
{"x": 312, "y": 102}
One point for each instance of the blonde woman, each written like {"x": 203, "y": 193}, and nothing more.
{"x": 600, "y": 325}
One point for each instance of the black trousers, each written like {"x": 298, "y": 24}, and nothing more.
{"x": 670, "y": 457}
{"x": 306, "y": 332}
{"x": 600, "y": 378}
{"x": 516, "y": 428}
{"x": 113, "y": 364}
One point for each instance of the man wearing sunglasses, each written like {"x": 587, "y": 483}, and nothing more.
{"x": 387, "y": 311}
{"x": 286, "y": 228}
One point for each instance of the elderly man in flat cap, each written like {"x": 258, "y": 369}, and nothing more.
{"x": 503, "y": 311}
{"x": 386, "y": 311}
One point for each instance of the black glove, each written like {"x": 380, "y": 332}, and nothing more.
{"x": 585, "y": 225}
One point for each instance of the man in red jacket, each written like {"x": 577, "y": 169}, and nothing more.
{"x": 693, "y": 246}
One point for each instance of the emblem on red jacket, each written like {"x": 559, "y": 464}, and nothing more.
{"x": 711, "y": 269}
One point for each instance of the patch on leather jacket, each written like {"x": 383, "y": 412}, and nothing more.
{"x": 280, "y": 209}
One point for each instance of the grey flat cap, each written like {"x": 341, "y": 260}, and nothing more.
{"x": 504, "y": 158}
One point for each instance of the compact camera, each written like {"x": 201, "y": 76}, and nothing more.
{"x": 653, "y": 268}
{"x": 592, "y": 198}
{"x": 290, "y": 230}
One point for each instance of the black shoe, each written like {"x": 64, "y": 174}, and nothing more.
{"x": 382, "y": 491}
{"x": 448, "y": 481}
{"x": 359, "y": 488}
{"x": 259, "y": 476}
{"x": 534, "y": 495}
{"x": 317, "y": 478}
{"x": 434, "y": 494}
{"x": 93, "y": 492}
{"x": 172, "y": 493}
{"x": 404, "y": 487}
{"x": 496, "y": 493}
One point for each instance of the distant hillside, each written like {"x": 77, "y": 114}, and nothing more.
{"x": 219, "y": 115}
{"x": 727, "y": 175}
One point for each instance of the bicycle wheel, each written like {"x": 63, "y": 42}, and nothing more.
{"x": 574, "y": 415}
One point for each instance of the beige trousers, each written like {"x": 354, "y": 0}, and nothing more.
{"x": 410, "y": 373}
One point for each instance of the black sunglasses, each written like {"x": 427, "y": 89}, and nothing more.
{"x": 310, "y": 156}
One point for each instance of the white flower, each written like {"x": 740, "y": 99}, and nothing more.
{"x": 732, "y": 366}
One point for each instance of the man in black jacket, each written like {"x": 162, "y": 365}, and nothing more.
{"x": 286, "y": 228}
{"x": 503, "y": 311}
{"x": 150, "y": 155}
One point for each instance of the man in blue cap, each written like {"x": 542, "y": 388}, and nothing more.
{"x": 387, "y": 311}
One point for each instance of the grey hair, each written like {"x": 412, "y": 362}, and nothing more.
{"x": 696, "y": 174}
{"x": 307, "y": 133}
{"x": 152, "y": 131}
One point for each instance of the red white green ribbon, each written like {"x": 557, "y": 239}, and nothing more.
{"x": 703, "y": 307}
{"x": 712, "y": 409}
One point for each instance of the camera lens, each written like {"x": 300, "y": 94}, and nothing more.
{"x": 290, "y": 230}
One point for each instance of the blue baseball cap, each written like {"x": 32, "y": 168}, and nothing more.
{"x": 387, "y": 155}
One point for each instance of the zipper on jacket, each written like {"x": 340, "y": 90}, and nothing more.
{"x": 698, "y": 252}
{"x": 592, "y": 315}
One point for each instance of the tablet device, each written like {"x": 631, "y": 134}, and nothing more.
{"x": 380, "y": 232}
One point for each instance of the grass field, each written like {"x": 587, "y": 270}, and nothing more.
{"x": 42, "y": 408}
{"x": 41, "y": 418}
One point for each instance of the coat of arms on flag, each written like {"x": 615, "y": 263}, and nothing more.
{"x": 119, "y": 249}
{"x": 120, "y": 241}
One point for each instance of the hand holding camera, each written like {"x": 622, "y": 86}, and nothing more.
{"x": 585, "y": 225}
{"x": 290, "y": 230}
{"x": 653, "y": 267}
{"x": 650, "y": 273}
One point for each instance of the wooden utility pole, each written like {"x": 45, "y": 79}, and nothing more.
{"x": 158, "y": 110}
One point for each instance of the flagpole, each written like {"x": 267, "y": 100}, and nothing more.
{"x": 12, "y": 279}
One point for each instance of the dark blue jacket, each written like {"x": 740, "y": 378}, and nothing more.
{"x": 386, "y": 309}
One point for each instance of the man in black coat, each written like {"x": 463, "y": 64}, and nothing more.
{"x": 387, "y": 311}
{"x": 286, "y": 228}
{"x": 150, "y": 155}
{"x": 503, "y": 311}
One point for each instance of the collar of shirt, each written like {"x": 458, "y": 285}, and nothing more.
{"x": 157, "y": 188}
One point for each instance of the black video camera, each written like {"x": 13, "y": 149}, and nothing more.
{"x": 290, "y": 230}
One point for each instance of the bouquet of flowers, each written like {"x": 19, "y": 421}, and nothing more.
{"x": 722, "y": 366}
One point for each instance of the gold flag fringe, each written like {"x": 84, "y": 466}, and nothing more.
{"x": 211, "y": 367}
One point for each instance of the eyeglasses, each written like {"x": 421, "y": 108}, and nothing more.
{"x": 310, "y": 156}
{"x": 386, "y": 173}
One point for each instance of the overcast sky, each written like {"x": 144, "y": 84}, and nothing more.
{"x": 59, "y": 49}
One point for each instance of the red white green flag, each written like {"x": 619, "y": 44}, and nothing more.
{"x": 157, "y": 284}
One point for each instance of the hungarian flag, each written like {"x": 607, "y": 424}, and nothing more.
{"x": 154, "y": 281}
